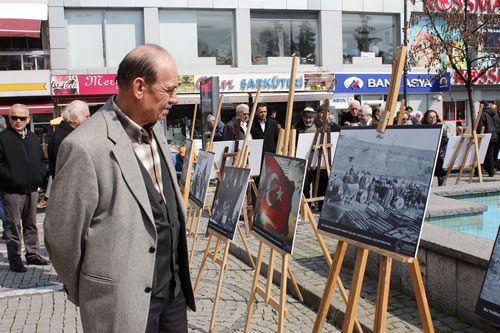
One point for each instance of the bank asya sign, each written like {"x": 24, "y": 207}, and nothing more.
{"x": 473, "y": 6}
{"x": 379, "y": 83}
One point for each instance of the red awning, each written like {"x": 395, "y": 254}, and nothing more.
{"x": 34, "y": 108}
{"x": 19, "y": 28}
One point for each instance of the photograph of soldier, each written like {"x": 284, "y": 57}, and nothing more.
{"x": 488, "y": 305}
{"x": 278, "y": 202}
{"x": 228, "y": 201}
{"x": 201, "y": 177}
{"x": 379, "y": 184}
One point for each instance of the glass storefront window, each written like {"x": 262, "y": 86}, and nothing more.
{"x": 198, "y": 37}
{"x": 101, "y": 38}
{"x": 378, "y": 34}
{"x": 277, "y": 34}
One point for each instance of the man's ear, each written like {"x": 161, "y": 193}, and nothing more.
{"x": 139, "y": 87}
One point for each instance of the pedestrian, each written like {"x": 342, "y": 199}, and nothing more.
{"x": 364, "y": 116}
{"x": 491, "y": 122}
{"x": 308, "y": 123}
{"x": 3, "y": 126}
{"x": 265, "y": 128}
{"x": 219, "y": 129}
{"x": 73, "y": 116}
{"x": 178, "y": 160}
{"x": 431, "y": 117}
{"x": 23, "y": 168}
{"x": 237, "y": 127}
{"x": 350, "y": 118}
{"x": 115, "y": 224}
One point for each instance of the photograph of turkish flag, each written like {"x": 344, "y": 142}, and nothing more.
{"x": 278, "y": 202}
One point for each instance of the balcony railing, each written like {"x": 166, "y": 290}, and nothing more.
{"x": 24, "y": 61}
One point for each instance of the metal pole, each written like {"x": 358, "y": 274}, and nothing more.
{"x": 405, "y": 43}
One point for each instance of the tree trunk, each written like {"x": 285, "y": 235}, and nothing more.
{"x": 471, "y": 100}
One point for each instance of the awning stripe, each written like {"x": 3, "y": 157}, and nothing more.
{"x": 19, "y": 28}
{"x": 34, "y": 108}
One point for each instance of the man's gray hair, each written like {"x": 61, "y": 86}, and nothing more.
{"x": 354, "y": 101}
{"x": 75, "y": 108}
{"x": 240, "y": 107}
{"x": 3, "y": 123}
{"x": 19, "y": 105}
{"x": 366, "y": 109}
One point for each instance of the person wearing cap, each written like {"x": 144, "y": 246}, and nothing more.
{"x": 219, "y": 129}
{"x": 308, "y": 123}
{"x": 178, "y": 160}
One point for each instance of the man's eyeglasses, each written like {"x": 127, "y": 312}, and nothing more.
{"x": 245, "y": 114}
{"x": 18, "y": 118}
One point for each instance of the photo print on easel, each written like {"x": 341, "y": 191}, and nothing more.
{"x": 379, "y": 186}
{"x": 488, "y": 304}
{"x": 201, "y": 178}
{"x": 277, "y": 207}
{"x": 228, "y": 201}
{"x": 185, "y": 164}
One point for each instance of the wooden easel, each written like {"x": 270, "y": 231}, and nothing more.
{"x": 194, "y": 208}
{"x": 474, "y": 140}
{"x": 386, "y": 257}
{"x": 187, "y": 185}
{"x": 285, "y": 141}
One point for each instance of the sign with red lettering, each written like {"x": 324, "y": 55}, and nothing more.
{"x": 491, "y": 76}
{"x": 471, "y": 6}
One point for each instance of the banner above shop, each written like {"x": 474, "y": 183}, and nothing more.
{"x": 104, "y": 84}
{"x": 356, "y": 83}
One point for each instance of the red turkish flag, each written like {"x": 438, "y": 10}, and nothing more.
{"x": 276, "y": 200}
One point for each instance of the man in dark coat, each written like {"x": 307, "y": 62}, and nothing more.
{"x": 75, "y": 114}
{"x": 265, "y": 128}
{"x": 351, "y": 117}
{"x": 23, "y": 168}
{"x": 491, "y": 122}
{"x": 236, "y": 127}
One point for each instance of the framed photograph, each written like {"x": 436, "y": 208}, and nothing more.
{"x": 277, "y": 207}
{"x": 488, "y": 304}
{"x": 379, "y": 186}
{"x": 201, "y": 178}
{"x": 254, "y": 157}
{"x": 188, "y": 156}
{"x": 228, "y": 201}
{"x": 304, "y": 147}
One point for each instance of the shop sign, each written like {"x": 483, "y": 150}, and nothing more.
{"x": 102, "y": 84}
{"x": 471, "y": 6}
{"x": 491, "y": 76}
{"x": 379, "y": 83}
{"x": 341, "y": 101}
{"x": 272, "y": 82}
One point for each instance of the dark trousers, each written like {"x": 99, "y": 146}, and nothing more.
{"x": 490, "y": 159}
{"x": 166, "y": 317}
{"x": 20, "y": 210}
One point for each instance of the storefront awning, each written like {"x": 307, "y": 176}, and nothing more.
{"x": 34, "y": 108}
{"x": 19, "y": 28}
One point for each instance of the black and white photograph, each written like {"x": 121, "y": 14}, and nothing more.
{"x": 228, "y": 201}
{"x": 488, "y": 304}
{"x": 188, "y": 156}
{"x": 201, "y": 178}
{"x": 278, "y": 201}
{"x": 379, "y": 186}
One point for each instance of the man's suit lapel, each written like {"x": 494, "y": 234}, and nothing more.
{"x": 127, "y": 161}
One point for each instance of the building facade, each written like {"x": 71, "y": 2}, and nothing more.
{"x": 345, "y": 51}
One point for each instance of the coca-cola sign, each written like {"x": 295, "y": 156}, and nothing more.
{"x": 64, "y": 85}
{"x": 92, "y": 84}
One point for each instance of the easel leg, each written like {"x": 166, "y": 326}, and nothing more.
{"x": 333, "y": 276}
{"x": 295, "y": 285}
{"x": 205, "y": 256}
{"x": 357, "y": 283}
{"x": 189, "y": 219}
{"x": 246, "y": 246}
{"x": 418, "y": 287}
{"x": 284, "y": 268}
{"x": 219, "y": 285}
{"x": 384, "y": 281}
{"x": 195, "y": 238}
{"x": 251, "y": 300}
{"x": 270, "y": 273}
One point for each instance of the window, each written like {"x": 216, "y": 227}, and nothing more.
{"x": 369, "y": 33}
{"x": 277, "y": 34}
{"x": 101, "y": 38}
{"x": 198, "y": 37}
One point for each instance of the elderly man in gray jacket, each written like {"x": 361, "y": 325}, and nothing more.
{"x": 115, "y": 225}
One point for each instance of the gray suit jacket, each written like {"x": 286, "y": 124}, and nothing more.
{"x": 99, "y": 226}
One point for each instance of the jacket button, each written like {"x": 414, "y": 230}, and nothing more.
{"x": 147, "y": 290}
{"x": 152, "y": 249}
